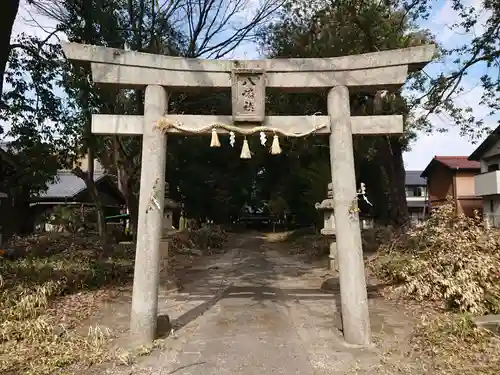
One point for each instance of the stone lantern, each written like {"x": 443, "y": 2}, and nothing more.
{"x": 327, "y": 208}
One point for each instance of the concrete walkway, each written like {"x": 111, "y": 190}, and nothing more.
{"x": 254, "y": 311}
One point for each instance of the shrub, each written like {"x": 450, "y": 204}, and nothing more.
{"x": 73, "y": 219}
{"x": 451, "y": 259}
{"x": 210, "y": 237}
{"x": 311, "y": 245}
{"x": 206, "y": 239}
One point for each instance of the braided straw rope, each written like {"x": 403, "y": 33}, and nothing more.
{"x": 164, "y": 124}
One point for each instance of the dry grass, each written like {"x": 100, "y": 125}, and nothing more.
{"x": 52, "y": 283}
{"x": 450, "y": 343}
{"x": 442, "y": 343}
{"x": 451, "y": 260}
{"x": 450, "y": 265}
{"x": 47, "y": 294}
{"x": 309, "y": 243}
{"x": 304, "y": 242}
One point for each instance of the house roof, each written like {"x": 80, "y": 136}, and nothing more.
{"x": 452, "y": 162}
{"x": 67, "y": 185}
{"x": 488, "y": 143}
{"x": 413, "y": 178}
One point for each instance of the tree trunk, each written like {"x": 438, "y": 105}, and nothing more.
{"x": 132, "y": 203}
{"x": 133, "y": 207}
{"x": 125, "y": 174}
{"x": 393, "y": 168}
{"x": 10, "y": 9}
{"x": 88, "y": 137}
{"x": 88, "y": 176}
{"x": 101, "y": 221}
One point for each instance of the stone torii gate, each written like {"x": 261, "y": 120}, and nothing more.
{"x": 385, "y": 70}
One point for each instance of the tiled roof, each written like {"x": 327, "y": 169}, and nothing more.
{"x": 452, "y": 162}
{"x": 413, "y": 179}
{"x": 67, "y": 185}
{"x": 458, "y": 162}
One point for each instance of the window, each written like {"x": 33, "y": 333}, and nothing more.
{"x": 417, "y": 191}
{"x": 492, "y": 167}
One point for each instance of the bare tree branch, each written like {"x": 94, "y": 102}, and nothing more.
{"x": 217, "y": 27}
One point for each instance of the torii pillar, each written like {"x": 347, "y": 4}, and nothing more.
{"x": 353, "y": 294}
{"x": 143, "y": 319}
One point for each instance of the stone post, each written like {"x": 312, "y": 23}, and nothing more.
{"x": 149, "y": 229}
{"x": 353, "y": 294}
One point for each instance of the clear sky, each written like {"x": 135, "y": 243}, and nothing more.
{"x": 426, "y": 146}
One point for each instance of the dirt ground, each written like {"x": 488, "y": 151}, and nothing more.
{"x": 256, "y": 309}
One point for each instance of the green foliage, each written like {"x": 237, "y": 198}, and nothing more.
{"x": 38, "y": 80}
{"x": 35, "y": 113}
{"x": 143, "y": 26}
{"x": 318, "y": 29}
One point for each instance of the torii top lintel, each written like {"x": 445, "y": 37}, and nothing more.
{"x": 369, "y": 71}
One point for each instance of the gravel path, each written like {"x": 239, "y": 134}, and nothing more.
{"x": 254, "y": 311}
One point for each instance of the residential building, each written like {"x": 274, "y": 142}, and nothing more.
{"x": 453, "y": 176}
{"x": 70, "y": 190}
{"x": 67, "y": 189}
{"x": 416, "y": 195}
{"x": 487, "y": 183}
